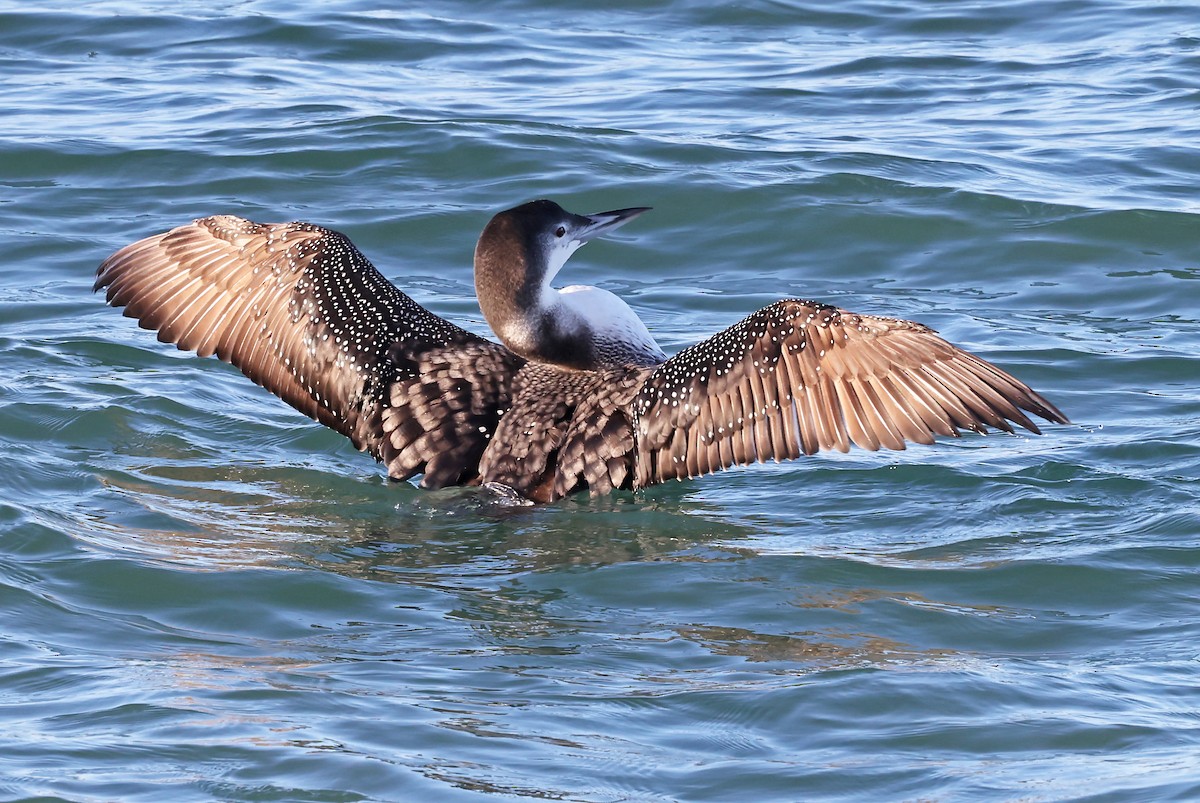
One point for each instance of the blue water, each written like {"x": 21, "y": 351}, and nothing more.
{"x": 205, "y": 596}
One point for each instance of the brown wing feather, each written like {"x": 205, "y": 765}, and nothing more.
{"x": 566, "y": 430}
{"x": 798, "y": 376}
{"x": 304, "y": 314}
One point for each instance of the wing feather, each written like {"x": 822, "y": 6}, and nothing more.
{"x": 797, "y": 377}
{"x": 304, "y": 314}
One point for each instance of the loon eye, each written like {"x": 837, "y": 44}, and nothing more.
{"x": 560, "y": 231}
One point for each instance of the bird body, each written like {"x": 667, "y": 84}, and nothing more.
{"x": 577, "y": 394}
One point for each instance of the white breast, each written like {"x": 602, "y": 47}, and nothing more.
{"x": 610, "y": 319}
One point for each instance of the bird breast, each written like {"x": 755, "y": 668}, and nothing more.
{"x": 619, "y": 336}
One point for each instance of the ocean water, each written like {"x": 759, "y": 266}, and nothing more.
{"x": 206, "y": 596}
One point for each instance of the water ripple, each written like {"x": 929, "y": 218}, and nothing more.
{"x": 206, "y": 596}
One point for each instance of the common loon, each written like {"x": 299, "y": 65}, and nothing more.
{"x": 577, "y": 394}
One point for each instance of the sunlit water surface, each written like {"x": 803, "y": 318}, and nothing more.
{"x": 203, "y": 595}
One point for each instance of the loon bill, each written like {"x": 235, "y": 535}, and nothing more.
{"x": 577, "y": 394}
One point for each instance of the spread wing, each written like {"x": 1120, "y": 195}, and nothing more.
{"x": 304, "y": 314}
{"x": 798, "y": 376}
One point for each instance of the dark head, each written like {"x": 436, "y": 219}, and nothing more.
{"x": 518, "y": 254}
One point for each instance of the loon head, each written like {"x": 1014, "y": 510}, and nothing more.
{"x": 519, "y": 253}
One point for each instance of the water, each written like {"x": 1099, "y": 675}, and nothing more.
{"x": 205, "y": 596}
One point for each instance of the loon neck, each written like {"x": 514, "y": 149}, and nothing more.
{"x": 580, "y": 328}
{"x": 550, "y": 331}
{"x": 527, "y": 314}
{"x": 517, "y": 257}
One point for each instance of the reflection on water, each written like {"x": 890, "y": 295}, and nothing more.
{"x": 218, "y": 516}
{"x": 516, "y": 578}
{"x": 813, "y": 652}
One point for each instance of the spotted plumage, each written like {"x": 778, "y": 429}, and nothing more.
{"x": 580, "y": 395}
{"x": 304, "y": 314}
{"x": 798, "y": 376}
